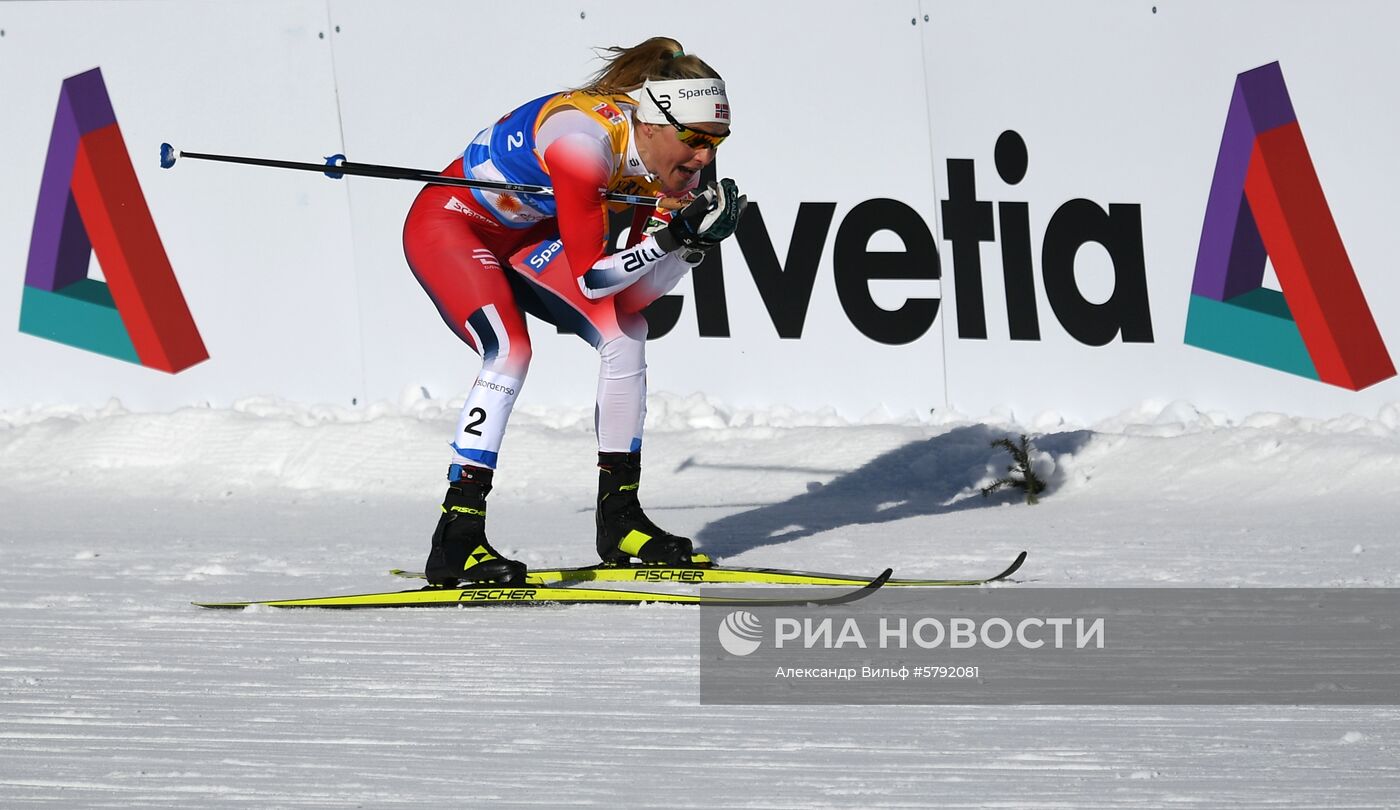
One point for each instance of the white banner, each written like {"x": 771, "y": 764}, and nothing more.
{"x": 262, "y": 257}
{"x": 993, "y": 204}
{"x": 1123, "y": 106}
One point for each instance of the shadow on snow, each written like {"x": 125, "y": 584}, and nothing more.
{"x": 928, "y": 477}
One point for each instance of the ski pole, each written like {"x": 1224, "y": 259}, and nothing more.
{"x": 337, "y": 167}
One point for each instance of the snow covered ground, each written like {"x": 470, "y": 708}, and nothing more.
{"x": 115, "y": 692}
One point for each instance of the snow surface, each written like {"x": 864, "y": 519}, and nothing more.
{"x": 115, "y": 692}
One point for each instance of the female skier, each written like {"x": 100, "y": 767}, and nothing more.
{"x": 648, "y": 123}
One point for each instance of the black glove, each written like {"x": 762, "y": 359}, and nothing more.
{"x": 708, "y": 220}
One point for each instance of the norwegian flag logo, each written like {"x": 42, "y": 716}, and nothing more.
{"x": 722, "y": 111}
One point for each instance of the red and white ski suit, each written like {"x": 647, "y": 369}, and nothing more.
{"x": 486, "y": 258}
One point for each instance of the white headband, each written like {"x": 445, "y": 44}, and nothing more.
{"x": 689, "y": 101}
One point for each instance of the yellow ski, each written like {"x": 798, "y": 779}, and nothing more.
{"x": 705, "y": 572}
{"x": 490, "y": 595}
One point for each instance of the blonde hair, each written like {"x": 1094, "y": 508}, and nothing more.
{"x": 656, "y": 58}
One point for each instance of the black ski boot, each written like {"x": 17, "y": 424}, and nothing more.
{"x": 624, "y": 531}
{"x": 460, "y": 550}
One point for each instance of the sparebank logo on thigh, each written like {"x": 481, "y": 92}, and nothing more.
{"x": 90, "y": 202}
{"x": 1266, "y": 202}
{"x": 544, "y": 254}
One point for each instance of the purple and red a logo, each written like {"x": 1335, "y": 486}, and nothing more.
{"x": 90, "y": 202}
{"x": 1267, "y": 203}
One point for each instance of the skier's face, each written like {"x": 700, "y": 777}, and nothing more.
{"x": 675, "y": 163}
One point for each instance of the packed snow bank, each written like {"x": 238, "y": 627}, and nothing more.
{"x": 400, "y": 448}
